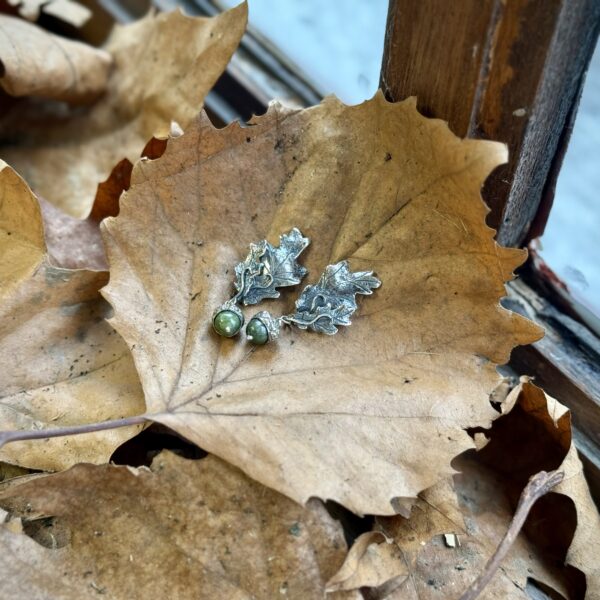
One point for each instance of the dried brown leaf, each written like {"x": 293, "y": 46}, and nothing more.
{"x": 432, "y": 569}
{"x": 72, "y": 243}
{"x": 378, "y": 411}
{"x": 8, "y": 471}
{"x": 62, "y": 364}
{"x": 533, "y": 416}
{"x": 478, "y": 505}
{"x": 184, "y": 529}
{"x": 372, "y": 561}
{"x": 106, "y": 202}
{"x": 164, "y": 65}
{"x": 34, "y": 62}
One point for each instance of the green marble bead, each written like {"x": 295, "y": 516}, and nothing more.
{"x": 227, "y": 323}
{"x": 256, "y": 332}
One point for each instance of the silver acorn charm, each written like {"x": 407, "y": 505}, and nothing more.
{"x": 322, "y": 307}
{"x": 265, "y": 269}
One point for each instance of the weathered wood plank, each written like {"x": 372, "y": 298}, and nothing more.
{"x": 566, "y": 364}
{"x": 509, "y": 70}
{"x": 438, "y": 50}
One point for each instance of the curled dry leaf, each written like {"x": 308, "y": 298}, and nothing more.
{"x": 377, "y": 412}
{"x": 164, "y": 65}
{"x": 34, "y": 62}
{"x": 426, "y": 568}
{"x": 62, "y": 364}
{"x": 478, "y": 505}
{"x": 8, "y": 471}
{"x": 106, "y": 202}
{"x": 373, "y": 561}
{"x": 184, "y": 529}
{"x": 538, "y": 428}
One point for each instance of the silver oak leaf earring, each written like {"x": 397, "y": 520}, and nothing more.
{"x": 322, "y": 307}
{"x": 265, "y": 269}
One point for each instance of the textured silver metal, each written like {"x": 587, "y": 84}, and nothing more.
{"x": 328, "y": 304}
{"x": 273, "y": 324}
{"x": 267, "y": 268}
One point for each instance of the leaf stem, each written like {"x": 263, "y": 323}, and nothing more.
{"x": 538, "y": 485}
{"x": 41, "y": 434}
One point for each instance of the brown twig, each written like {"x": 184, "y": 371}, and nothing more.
{"x": 42, "y": 434}
{"x": 538, "y": 485}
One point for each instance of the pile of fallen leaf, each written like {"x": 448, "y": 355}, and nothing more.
{"x": 110, "y": 268}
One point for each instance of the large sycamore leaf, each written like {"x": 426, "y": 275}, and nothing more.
{"x": 164, "y": 65}
{"x": 378, "y": 411}
{"x": 184, "y": 529}
{"x": 477, "y": 506}
{"x": 62, "y": 364}
{"x": 34, "y": 62}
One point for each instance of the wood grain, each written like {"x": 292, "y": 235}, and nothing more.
{"x": 507, "y": 70}
{"x": 566, "y": 364}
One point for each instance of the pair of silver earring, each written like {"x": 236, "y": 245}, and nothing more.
{"x": 322, "y": 307}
